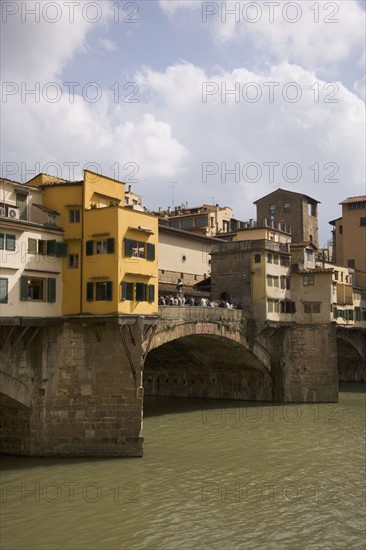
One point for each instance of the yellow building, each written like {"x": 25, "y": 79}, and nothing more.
{"x": 111, "y": 266}
{"x": 349, "y": 237}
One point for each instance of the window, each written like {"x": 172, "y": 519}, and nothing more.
{"x": 270, "y": 258}
{"x": 308, "y": 280}
{"x": 312, "y": 307}
{"x": 269, "y": 280}
{"x": 56, "y": 248}
{"x": 7, "y": 241}
{"x": 140, "y": 292}
{"x": 150, "y": 251}
{"x": 21, "y": 202}
{"x": 32, "y": 246}
{"x": 285, "y": 261}
{"x": 74, "y": 215}
{"x": 73, "y": 262}
{"x": 286, "y": 207}
{"x": 273, "y": 306}
{"x": 357, "y": 314}
{"x": 309, "y": 255}
{"x": 3, "y": 290}
{"x": 341, "y": 229}
{"x": 272, "y": 209}
{"x": 285, "y": 282}
{"x": 174, "y": 223}
{"x": 103, "y": 291}
{"x": 42, "y": 247}
{"x": 127, "y": 290}
{"x": 105, "y": 246}
{"x": 37, "y": 289}
{"x": 186, "y": 224}
{"x": 134, "y": 249}
{"x": 288, "y": 307}
{"x": 257, "y": 258}
{"x": 275, "y": 282}
{"x": 363, "y": 222}
{"x": 201, "y": 221}
{"x": 275, "y": 259}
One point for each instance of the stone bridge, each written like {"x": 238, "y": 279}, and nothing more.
{"x": 74, "y": 386}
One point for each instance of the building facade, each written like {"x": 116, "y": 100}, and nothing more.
{"x": 207, "y": 219}
{"x": 349, "y": 237}
{"x": 111, "y": 264}
{"x": 296, "y": 210}
{"x": 31, "y": 252}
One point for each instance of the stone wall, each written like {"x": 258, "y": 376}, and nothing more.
{"x": 85, "y": 389}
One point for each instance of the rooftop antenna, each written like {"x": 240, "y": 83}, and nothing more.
{"x": 173, "y": 185}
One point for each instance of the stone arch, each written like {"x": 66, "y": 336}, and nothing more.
{"x": 350, "y": 358}
{"x": 15, "y": 389}
{"x": 206, "y": 360}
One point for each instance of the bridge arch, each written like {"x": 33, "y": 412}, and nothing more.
{"x": 351, "y": 355}
{"x": 209, "y": 359}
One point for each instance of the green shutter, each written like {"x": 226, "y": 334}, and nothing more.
{"x": 51, "y": 248}
{"x": 150, "y": 251}
{"x": 128, "y": 247}
{"x": 110, "y": 245}
{"x": 151, "y": 293}
{"x": 1, "y": 241}
{"x": 32, "y": 246}
{"x": 3, "y": 291}
{"x": 140, "y": 292}
{"x": 61, "y": 250}
{"x": 90, "y": 291}
{"x": 51, "y": 290}
{"x": 10, "y": 242}
{"x": 89, "y": 248}
{"x": 24, "y": 288}
{"x": 124, "y": 290}
{"x": 109, "y": 291}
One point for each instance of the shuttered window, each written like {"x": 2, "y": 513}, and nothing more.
{"x": 127, "y": 291}
{"x": 51, "y": 290}
{"x": 151, "y": 293}
{"x": 140, "y": 292}
{"x": 150, "y": 251}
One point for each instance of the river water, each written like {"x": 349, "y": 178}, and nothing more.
{"x": 215, "y": 475}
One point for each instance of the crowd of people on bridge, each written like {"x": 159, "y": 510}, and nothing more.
{"x": 180, "y": 300}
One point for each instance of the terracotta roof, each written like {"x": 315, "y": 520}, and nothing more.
{"x": 286, "y": 191}
{"x": 361, "y": 198}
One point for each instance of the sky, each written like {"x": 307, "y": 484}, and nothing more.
{"x": 188, "y": 101}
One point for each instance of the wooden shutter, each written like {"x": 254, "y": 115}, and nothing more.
{"x": 32, "y": 246}
{"x": 90, "y": 292}
{"x": 128, "y": 247}
{"x": 89, "y": 248}
{"x": 151, "y": 293}
{"x": 51, "y": 290}
{"x": 109, "y": 288}
{"x": 24, "y": 288}
{"x": 150, "y": 251}
{"x": 110, "y": 245}
{"x": 61, "y": 249}
{"x": 51, "y": 248}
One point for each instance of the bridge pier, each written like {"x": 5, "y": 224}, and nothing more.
{"x": 84, "y": 389}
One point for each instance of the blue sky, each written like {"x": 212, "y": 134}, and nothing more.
{"x": 150, "y": 107}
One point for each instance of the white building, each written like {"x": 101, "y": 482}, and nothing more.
{"x": 30, "y": 254}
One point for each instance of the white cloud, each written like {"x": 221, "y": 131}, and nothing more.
{"x": 310, "y": 34}
{"x": 34, "y": 48}
{"x": 107, "y": 45}
{"x": 360, "y": 87}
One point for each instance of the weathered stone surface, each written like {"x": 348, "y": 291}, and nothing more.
{"x": 77, "y": 389}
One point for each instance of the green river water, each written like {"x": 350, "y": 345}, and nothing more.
{"x": 215, "y": 475}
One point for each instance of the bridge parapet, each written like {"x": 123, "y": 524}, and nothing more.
{"x": 198, "y": 313}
